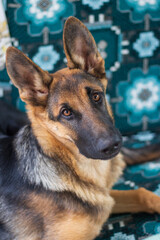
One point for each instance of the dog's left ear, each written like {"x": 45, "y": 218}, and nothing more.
{"x": 31, "y": 81}
{"x": 80, "y": 48}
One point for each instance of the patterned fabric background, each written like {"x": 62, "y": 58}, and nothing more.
{"x": 127, "y": 33}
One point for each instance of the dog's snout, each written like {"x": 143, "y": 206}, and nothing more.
{"x": 109, "y": 146}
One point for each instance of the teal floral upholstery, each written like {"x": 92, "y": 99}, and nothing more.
{"x": 127, "y": 33}
{"x": 38, "y": 14}
{"x": 107, "y": 38}
{"x": 141, "y": 95}
{"x": 46, "y": 57}
{"x": 139, "y": 8}
{"x": 124, "y": 236}
{"x": 146, "y": 44}
{"x": 95, "y": 4}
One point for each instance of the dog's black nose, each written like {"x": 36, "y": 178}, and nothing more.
{"x": 109, "y": 146}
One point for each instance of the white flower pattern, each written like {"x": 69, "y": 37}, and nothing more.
{"x": 46, "y": 57}
{"x": 146, "y": 44}
{"x": 144, "y": 96}
{"x": 43, "y": 9}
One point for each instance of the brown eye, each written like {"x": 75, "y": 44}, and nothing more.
{"x": 96, "y": 97}
{"x": 66, "y": 112}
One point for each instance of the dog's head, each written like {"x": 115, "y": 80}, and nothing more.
{"x": 70, "y": 104}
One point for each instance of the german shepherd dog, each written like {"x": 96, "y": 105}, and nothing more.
{"x": 56, "y": 173}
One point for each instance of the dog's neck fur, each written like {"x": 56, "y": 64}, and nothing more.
{"x": 35, "y": 167}
{"x": 54, "y": 175}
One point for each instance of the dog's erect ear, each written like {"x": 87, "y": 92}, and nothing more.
{"x": 30, "y": 79}
{"x": 80, "y": 48}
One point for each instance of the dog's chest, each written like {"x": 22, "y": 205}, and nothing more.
{"x": 57, "y": 217}
{"x": 61, "y": 215}
{"x": 69, "y": 218}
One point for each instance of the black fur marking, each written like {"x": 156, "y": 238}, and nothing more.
{"x": 4, "y": 233}
{"x": 67, "y": 200}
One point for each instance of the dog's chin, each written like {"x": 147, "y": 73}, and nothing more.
{"x": 101, "y": 156}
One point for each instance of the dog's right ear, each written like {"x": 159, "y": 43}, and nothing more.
{"x": 31, "y": 81}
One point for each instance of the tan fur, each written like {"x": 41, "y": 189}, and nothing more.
{"x": 140, "y": 200}
{"x": 75, "y": 226}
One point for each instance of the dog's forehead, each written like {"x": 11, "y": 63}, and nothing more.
{"x": 73, "y": 79}
{"x": 70, "y": 87}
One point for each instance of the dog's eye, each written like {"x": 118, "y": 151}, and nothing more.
{"x": 66, "y": 112}
{"x": 96, "y": 97}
